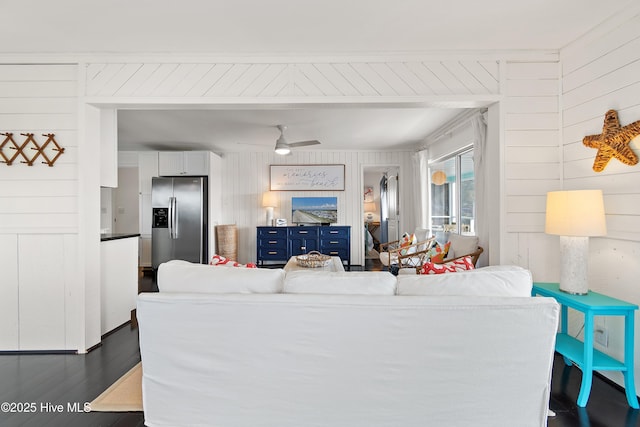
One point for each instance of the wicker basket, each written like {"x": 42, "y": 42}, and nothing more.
{"x": 227, "y": 241}
{"x": 313, "y": 259}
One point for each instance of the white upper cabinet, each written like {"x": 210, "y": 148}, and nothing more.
{"x": 176, "y": 163}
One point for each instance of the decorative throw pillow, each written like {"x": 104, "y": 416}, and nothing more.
{"x": 461, "y": 264}
{"x": 438, "y": 253}
{"x": 219, "y": 260}
{"x": 407, "y": 240}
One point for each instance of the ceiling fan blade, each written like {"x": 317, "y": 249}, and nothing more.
{"x": 304, "y": 143}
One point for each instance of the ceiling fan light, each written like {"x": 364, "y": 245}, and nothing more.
{"x": 282, "y": 148}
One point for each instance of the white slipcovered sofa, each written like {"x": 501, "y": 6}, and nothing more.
{"x": 258, "y": 347}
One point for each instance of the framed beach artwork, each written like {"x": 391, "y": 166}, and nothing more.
{"x": 306, "y": 177}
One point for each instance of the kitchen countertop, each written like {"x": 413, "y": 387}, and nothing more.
{"x": 116, "y": 236}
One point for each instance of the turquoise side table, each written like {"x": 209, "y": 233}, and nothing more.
{"x": 583, "y": 354}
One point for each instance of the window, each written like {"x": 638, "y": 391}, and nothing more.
{"x": 453, "y": 206}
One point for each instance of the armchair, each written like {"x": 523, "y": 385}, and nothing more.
{"x": 461, "y": 246}
{"x": 391, "y": 253}
{"x": 474, "y": 256}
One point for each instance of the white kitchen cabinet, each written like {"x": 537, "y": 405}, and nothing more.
{"x": 183, "y": 163}
{"x": 118, "y": 281}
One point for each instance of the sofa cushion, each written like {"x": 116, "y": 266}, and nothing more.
{"x": 507, "y": 281}
{"x": 352, "y": 283}
{"x": 182, "y": 276}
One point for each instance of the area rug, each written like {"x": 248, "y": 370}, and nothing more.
{"x": 125, "y": 395}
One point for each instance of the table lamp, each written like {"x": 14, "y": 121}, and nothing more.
{"x": 369, "y": 209}
{"x": 574, "y": 216}
{"x": 269, "y": 201}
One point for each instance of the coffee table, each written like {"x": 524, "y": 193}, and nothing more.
{"x": 334, "y": 265}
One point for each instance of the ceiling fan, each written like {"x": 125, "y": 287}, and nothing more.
{"x": 283, "y": 147}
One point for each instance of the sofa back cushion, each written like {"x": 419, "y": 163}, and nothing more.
{"x": 351, "y": 283}
{"x": 187, "y": 277}
{"x": 503, "y": 280}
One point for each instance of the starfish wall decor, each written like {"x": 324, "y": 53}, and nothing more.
{"x": 613, "y": 142}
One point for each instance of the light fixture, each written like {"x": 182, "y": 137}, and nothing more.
{"x": 369, "y": 208}
{"x": 439, "y": 177}
{"x": 574, "y": 216}
{"x": 282, "y": 147}
{"x": 269, "y": 201}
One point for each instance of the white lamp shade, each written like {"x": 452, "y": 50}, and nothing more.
{"x": 369, "y": 207}
{"x": 269, "y": 200}
{"x": 575, "y": 213}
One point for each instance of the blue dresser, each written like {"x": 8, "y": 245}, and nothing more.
{"x": 281, "y": 243}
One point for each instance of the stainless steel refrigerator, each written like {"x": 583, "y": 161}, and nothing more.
{"x": 179, "y": 224}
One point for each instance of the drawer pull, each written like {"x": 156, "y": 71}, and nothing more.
{"x": 272, "y": 252}
{"x": 273, "y": 242}
{"x": 333, "y": 253}
{"x": 334, "y": 243}
{"x": 272, "y": 232}
{"x": 303, "y": 232}
{"x": 333, "y": 232}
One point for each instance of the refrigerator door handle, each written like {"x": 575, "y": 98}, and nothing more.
{"x": 175, "y": 217}
{"x": 172, "y": 217}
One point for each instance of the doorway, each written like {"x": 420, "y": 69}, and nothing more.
{"x": 381, "y": 207}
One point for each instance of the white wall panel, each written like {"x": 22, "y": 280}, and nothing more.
{"x": 373, "y": 78}
{"x": 9, "y": 307}
{"x": 532, "y": 138}
{"x": 532, "y": 156}
{"x": 600, "y": 42}
{"x": 616, "y": 79}
{"x": 42, "y": 94}
{"x": 600, "y": 72}
{"x": 531, "y": 149}
{"x": 41, "y": 292}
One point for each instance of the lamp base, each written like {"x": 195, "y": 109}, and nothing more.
{"x": 574, "y": 258}
{"x": 270, "y": 216}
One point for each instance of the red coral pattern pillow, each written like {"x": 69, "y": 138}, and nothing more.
{"x": 461, "y": 264}
{"x": 220, "y": 260}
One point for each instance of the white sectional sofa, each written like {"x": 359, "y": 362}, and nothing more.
{"x": 239, "y": 347}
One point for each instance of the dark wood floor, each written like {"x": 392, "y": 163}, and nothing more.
{"x": 68, "y": 379}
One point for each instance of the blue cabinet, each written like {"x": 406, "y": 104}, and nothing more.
{"x": 281, "y": 243}
{"x": 272, "y": 244}
{"x": 303, "y": 240}
{"x": 336, "y": 241}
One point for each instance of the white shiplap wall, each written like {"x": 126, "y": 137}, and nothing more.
{"x": 532, "y": 163}
{"x": 40, "y": 297}
{"x": 246, "y": 177}
{"x": 601, "y": 72}
{"x": 320, "y": 78}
